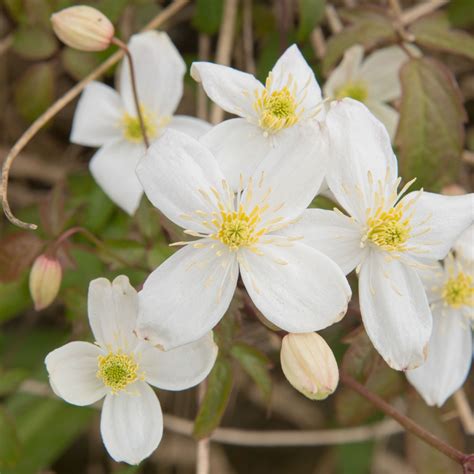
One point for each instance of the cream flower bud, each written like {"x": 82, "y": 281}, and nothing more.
{"x": 45, "y": 280}
{"x": 83, "y": 28}
{"x": 309, "y": 365}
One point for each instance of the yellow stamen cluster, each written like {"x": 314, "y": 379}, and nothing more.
{"x": 459, "y": 291}
{"x": 354, "y": 90}
{"x": 132, "y": 130}
{"x": 389, "y": 229}
{"x": 117, "y": 370}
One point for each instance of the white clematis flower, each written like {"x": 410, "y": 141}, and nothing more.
{"x": 296, "y": 287}
{"x": 374, "y": 81}
{"x": 290, "y": 97}
{"x": 385, "y": 235}
{"x": 450, "y": 290}
{"x": 107, "y": 119}
{"x": 120, "y": 367}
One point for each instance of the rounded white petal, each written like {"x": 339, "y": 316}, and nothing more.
{"x": 174, "y": 172}
{"x": 229, "y": 88}
{"x": 464, "y": 246}
{"x": 192, "y": 126}
{"x": 297, "y": 288}
{"x": 179, "y": 368}
{"x": 293, "y": 71}
{"x": 113, "y": 167}
{"x": 395, "y": 311}
{"x": 445, "y": 217}
{"x": 386, "y": 114}
{"x": 97, "y": 117}
{"x": 159, "y": 71}
{"x": 449, "y": 358}
{"x": 359, "y": 145}
{"x": 331, "y": 233}
{"x": 187, "y": 295}
{"x": 72, "y": 373}
{"x": 346, "y": 72}
{"x": 131, "y": 424}
{"x": 113, "y": 311}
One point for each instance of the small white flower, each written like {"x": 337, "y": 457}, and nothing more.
{"x": 385, "y": 235}
{"x": 374, "y": 81}
{"x": 107, "y": 119}
{"x": 290, "y": 97}
{"x": 296, "y": 287}
{"x": 450, "y": 290}
{"x": 119, "y": 367}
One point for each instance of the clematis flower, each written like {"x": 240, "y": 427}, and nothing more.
{"x": 121, "y": 368}
{"x": 107, "y": 119}
{"x": 385, "y": 234}
{"x": 374, "y": 81}
{"x": 450, "y": 290}
{"x": 295, "y": 287}
{"x": 291, "y": 97}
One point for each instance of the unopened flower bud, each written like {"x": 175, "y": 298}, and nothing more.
{"x": 45, "y": 280}
{"x": 83, "y": 28}
{"x": 309, "y": 365}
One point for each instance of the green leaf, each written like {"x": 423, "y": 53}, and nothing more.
{"x": 99, "y": 210}
{"x": 369, "y": 28}
{"x": 11, "y": 379}
{"x": 461, "y": 13}
{"x": 256, "y": 364}
{"x": 311, "y": 13}
{"x": 435, "y": 32}
{"x": 214, "y": 403}
{"x": 10, "y": 447}
{"x": 34, "y": 92}
{"x": 430, "y": 134}
{"x": 208, "y": 15}
{"x": 354, "y": 458}
{"x": 16, "y": 9}
{"x": 229, "y": 325}
{"x": 34, "y": 43}
{"x": 14, "y": 298}
{"x": 78, "y": 64}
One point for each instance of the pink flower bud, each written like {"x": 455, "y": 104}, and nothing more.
{"x": 83, "y": 28}
{"x": 309, "y": 365}
{"x": 45, "y": 280}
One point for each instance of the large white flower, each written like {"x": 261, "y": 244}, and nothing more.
{"x": 290, "y": 97}
{"x": 450, "y": 290}
{"x": 107, "y": 119}
{"x": 374, "y": 81}
{"x": 385, "y": 235}
{"x": 120, "y": 367}
{"x": 296, "y": 287}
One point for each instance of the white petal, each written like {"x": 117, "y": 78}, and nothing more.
{"x": 180, "y": 368}
{"x": 194, "y": 127}
{"x": 229, "y": 88}
{"x": 446, "y": 217}
{"x": 97, "y": 117}
{"x": 345, "y": 72}
{"x": 159, "y": 70}
{"x": 113, "y": 311}
{"x": 186, "y": 296}
{"x": 331, "y": 233}
{"x": 72, "y": 373}
{"x": 386, "y": 114}
{"x": 432, "y": 275}
{"x": 464, "y": 246}
{"x": 239, "y": 147}
{"x": 173, "y": 171}
{"x": 395, "y": 311}
{"x": 131, "y": 425}
{"x": 113, "y": 167}
{"x": 358, "y": 145}
{"x": 449, "y": 358}
{"x": 297, "y": 288}
{"x": 293, "y": 71}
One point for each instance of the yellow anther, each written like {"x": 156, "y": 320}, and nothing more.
{"x": 459, "y": 290}
{"x": 388, "y": 229}
{"x": 354, "y": 90}
{"x": 117, "y": 370}
{"x": 132, "y": 130}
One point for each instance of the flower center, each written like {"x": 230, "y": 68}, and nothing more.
{"x": 354, "y": 90}
{"x": 132, "y": 129}
{"x": 459, "y": 291}
{"x": 388, "y": 229}
{"x": 117, "y": 370}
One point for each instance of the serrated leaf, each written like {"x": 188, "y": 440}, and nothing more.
{"x": 10, "y": 447}
{"x": 34, "y": 43}
{"x": 430, "y": 134}
{"x": 435, "y": 32}
{"x": 34, "y": 91}
{"x": 11, "y": 379}
{"x": 214, "y": 403}
{"x": 256, "y": 364}
{"x": 208, "y": 15}
{"x": 79, "y": 63}
{"x": 311, "y": 13}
